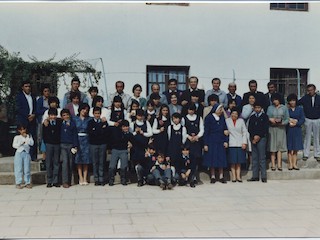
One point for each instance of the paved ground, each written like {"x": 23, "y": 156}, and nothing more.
{"x": 276, "y": 209}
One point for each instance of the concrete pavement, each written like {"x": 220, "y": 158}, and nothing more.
{"x": 286, "y": 208}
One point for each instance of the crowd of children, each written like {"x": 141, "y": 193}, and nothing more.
{"x": 165, "y": 144}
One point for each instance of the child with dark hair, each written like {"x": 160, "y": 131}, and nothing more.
{"x": 68, "y": 146}
{"x": 143, "y": 168}
{"x": 150, "y": 113}
{"x": 132, "y": 112}
{"x": 121, "y": 137}
{"x": 98, "y": 133}
{"x": 22, "y": 158}
{"x": 118, "y": 113}
{"x": 51, "y": 137}
{"x": 212, "y": 100}
{"x": 162, "y": 172}
{"x": 73, "y": 106}
{"x": 186, "y": 166}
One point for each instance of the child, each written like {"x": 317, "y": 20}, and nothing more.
{"x": 22, "y": 157}
{"x": 162, "y": 172}
{"x": 121, "y": 137}
{"x": 160, "y": 129}
{"x": 132, "y": 113}
{"x": 117, "y": 113}
{"x": 186, "y": 166}
{"x": 143, "y": 167}
{"x": 258, "y": 130}
{"x": 150, "y": 113}
{"x": 51, "y": 137}
{"x": 177, "y": 135}
{"x": 194, "y": 100}
{"x": 212, "y": 100}
{"x": 98, "y": 132}
{"x": 155, "y": 98}
{"x": 142, "y": 131}
{"x": 68, "y": 146}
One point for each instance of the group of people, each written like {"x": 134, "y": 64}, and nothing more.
{"x": 169, "y": 136}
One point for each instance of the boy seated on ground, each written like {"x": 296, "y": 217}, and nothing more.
{"x": 186, "y": 167}
{"x": 162, "y": 172}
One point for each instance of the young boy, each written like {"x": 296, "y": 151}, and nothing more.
{"x": 162, "y": 172}
{"x": 143, "y": 167}
{"x": 51, "y": 137}
{"x": 68, "y": 146}
{"x": 258, "y": 129}
{"x": 121, "y": 137}
{"x": 150, "y": 113}
{"x": 186, "y": 166}
{"x": 98, "y": 133}
{"x": 22, "y": 158}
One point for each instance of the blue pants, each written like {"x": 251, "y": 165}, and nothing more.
{"x": 52, "y": 162}
{"x": 22, "y": 166}
{"x": 98, "y": 156}
{"x": 66, "y": 157}
{"x": 143, "y": 173}
{"x": 115, "y": 156}
{"x": 162, "y": 175}
{"x": 259, "y": 159}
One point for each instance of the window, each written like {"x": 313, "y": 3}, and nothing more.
{"x": 162, "y": 74}
{"x": 289, "y": 6}
{"x": 287, "y": 80}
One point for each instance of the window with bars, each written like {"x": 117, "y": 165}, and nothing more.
{"x": 289, "y": 6}
{"x": 162, "y": 74}
{"x": 286, "y": 80}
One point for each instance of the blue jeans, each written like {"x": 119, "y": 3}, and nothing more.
{"x": 98, "y": 156}
{"x": 22, "y": 166}
{"x": 164, "y": 175}
{"x": 259, "y": 159}
{"x": 52, "y": 162}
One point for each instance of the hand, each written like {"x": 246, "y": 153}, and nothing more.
{"x": 226, "y": 132}
{"x": 205, "y": 148}
{"x": 146, "y": 154}
{"x": 244, "y": 146}
{"x": 196, "y": 138}
{"x": 184, "y": 102}
{"x": 256, "y": 138}
{"x": 150, "y": 140}
{"x": 31, "y": 117}
{"x": 103, "y": 119}
{"x": 225, "y": 145}
{"x": 161, "y": 129}
{"x": 272, "y": 120}
{"x": 46, "y": 123}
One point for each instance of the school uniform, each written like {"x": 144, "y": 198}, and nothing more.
{"x": 97, "y": 134}
{"x": 143, "y": 169}
{"x": 22, "y": 158}
{"x": 185, "y": 163}
{"x": 194, "y": 126}
{"x": 162, "y": 173}
{"x": 235, "y": 97}
{"x": 113, "y": 116}
{"x": 160, "y": 139}
{"x": 259, "y": 125}
{"x": 150, "y": 116}
{"x": 186, "y": 95}
{"x": 68, "y": 140}
{"x": 169, "y": 92}
{"x": 119, "y": 151}
{"x": 51, "y": 138}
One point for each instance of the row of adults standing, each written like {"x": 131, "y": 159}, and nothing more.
{"x": 30, "y": 110}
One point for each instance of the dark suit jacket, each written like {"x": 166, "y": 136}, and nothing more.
{"x": 259, "y": 96}
{"x": 168, "y": 95}
{"x": 268, "y": 99}
{"x": 22, "y": 109}
{"x": 40, "y": 109}
{"x": 186, "y": 95}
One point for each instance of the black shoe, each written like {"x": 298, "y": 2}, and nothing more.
{"x": 234, "y": 181}
{"x": 253, "y": 180}
{"x": 162, "y": 186}
{"x": 290, "y": 169}
{"x": 239, "y": 180}
{"x": 305, "y": 158}
{"x": 170, "y": 186}
{"x": 140, "y": 184}
{"x": 49, "y": 185}
{"x": 264, "y": 180}
{"x": 213, "y": 180}
{"x": 102, "y": 183}
{"x": 222, "y": 180}
{"x": 192, "y": 184}
{"x": 56, "y": 185}
{"x": 295, "y": 168}
{"x": 97, "y": 183}
{"x": 124, "y": 183}
{"x": 111, "y": 183}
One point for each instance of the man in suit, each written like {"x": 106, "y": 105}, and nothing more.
{"x": 172, "y": 88}
{"x": 193, "y": 86}
{"x": 25, "y": 114}
{"x": 272, "y": 88}
{"x": 253, "y": 85}
{"x": 232, "y": 87}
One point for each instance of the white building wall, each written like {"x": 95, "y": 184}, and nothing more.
{"x": 213, "y": 39}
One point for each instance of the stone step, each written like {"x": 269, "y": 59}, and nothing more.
{"x": 7, "y": 178}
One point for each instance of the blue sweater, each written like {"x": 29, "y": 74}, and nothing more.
{"x": 309, "y": 111}
{"x": 69, "y": 133}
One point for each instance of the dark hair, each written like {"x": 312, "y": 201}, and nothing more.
{"x": 257, "y": 103}
{"x": 134, "y": 102}
{"x": 151, "y": 146}
{"x": 155, "y": 96}
{"x": 185, "y": 146}
{"x": 192, "y": 107}
{"x": 83, "y": 106}
{"x": 271, "y": 83}
{"x": 53, "y": 99}
{"x": 176, "y": 115}
{"x": 96, "y": 109}
{"x": 65, "y": 110}
{"x": 194, "y": 78}
{"x": 231, "y": 100}
{"x": 276, "y": 96}
{"x": 117, "y": 82}
{"x": 291, "y": 97}
{"x": 252, "y": 94}
{"x": 150, "y": 102}
{"x": 97, "y": 99}
{"x": 117, "y": 99}
{"x": 140, "y": 112}
{"x": 173, "y": 80}
{"x": 311, "y": 85}
{"x": 173, "y": 94}
{"x": 135, "y": 87}
{"x": 213, "y": 97}
{"x": 124, "y": 123}
{"x": 53, "y": 111}
{"x": 162, "y": 107}
{"x": 75, "y": 79}
{"x": 160, "y": 155}
{"x": 253, "y": 81}
{"x": 45, "y": 86}
{"x": 21, "y": 126}
{"x": 93, "y": 89}
{"x": 216, "y": 79}
{"x": 236, "y": 109}
{"x": 74, "y": 95}
{"x": 194, "y": 94}
{"x": 25, "y": 82}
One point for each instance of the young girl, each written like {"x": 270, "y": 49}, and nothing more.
{"x": 117, "y": 112}
{"x": 98, "y": 102}
{"x": 132, "y": 113}
{"x": 177, "y": 136}
{"x": 159, "y": 130}
{"x": 22, "y": 157}
{"x": 150, "y": 113}
{"x": 215, "y": 142}
{"x": 82, "y": 158}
